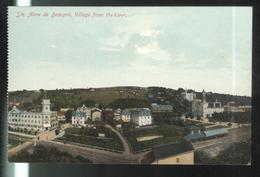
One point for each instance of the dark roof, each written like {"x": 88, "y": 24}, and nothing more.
{"x": 167, "y": 150}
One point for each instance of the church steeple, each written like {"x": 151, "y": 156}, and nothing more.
{"x": 203, "y": 96}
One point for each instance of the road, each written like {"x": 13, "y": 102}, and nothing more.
{"x": 127, "y": 150}
{"x": 214, "y": 146}
{"x": 98, "y": 156}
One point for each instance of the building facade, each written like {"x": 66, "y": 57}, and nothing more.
{"x": 139, "y": 116}
{"x": 189, "y": 96}
{"x": 201, "y": 108}
{"x": 84, "y": 114}
{"x": 36, "y": 121}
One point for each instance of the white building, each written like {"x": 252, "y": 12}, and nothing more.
{"x": 189, "y": 96}
{"x": 139, "y": 116}
{"x": 126, "y": 115}
{"x": 85, "y": 114}
{"x": 79, "y": 118}
{"x": 204, "y": 109}
{"x": 36, "y": 121}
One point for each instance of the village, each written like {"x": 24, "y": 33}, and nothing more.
{"x": 131, "y": 135}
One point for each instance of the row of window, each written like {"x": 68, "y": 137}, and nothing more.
{"x": 29, "y": 116}
{"x": 29, "y": 121}
{"x": 24, "y": 125}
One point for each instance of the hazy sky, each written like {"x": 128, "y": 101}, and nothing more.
{"x": 192, "y": 47}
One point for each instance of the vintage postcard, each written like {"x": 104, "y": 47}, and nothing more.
{"x": 130, "y": 85}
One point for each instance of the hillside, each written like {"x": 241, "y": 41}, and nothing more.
{"x": 113, "y": 96}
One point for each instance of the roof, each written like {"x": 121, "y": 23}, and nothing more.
{"x": 46, "y": 101}
{"x": 161, "y": 107}
{"x": 78, "y": 113}
{"x": 214, "y": 132}
{"x": 15, "y": 110}
{"x": 167, "y": 150}
{"x": 195, "y": 136}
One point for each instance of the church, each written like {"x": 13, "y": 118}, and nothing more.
{"x": 202, "y": 108}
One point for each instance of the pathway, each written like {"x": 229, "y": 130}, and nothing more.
{"x": 127, "y": 150}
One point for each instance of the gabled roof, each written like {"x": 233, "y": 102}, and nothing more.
{"x": 215, "y": 132}
{"x": 15, "y": 110}
{"x": 168, "y": 150}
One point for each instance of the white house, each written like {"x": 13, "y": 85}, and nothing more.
{"x": 126, "y": 115}
{"x": 78, "y": 118}
{"x": 36, "y": 121}
{"x": 140, "y": 116}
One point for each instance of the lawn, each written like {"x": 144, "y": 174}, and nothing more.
{"x": 89, "y": 136}
{"x": 166, "y": 134}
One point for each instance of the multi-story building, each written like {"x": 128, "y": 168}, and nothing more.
{"x": 189, "y": 96}
{"x": 36, "y": 121}
{"x": 204, "y": 109}
{"x": 139, "y": 116}
{"x": 84, "y": 114}
{"x": 79, "y": 118}
{"x": 126, "y": 115}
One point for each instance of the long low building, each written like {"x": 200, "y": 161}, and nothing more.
{"x": 178, "y": 153}
{"x": 36, "y": 121}
{"x": 196, "y": 134}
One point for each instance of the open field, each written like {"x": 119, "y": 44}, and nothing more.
{"x": 89, "y": 136}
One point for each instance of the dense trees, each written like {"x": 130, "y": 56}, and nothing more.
{"x": 237, "y": 117}
{"x": 129, "y": 103}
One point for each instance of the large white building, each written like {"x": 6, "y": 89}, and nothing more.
{"x": 139, "y": 116}
{"x": 202, "y": 108}
{"x": 36, "y": 121}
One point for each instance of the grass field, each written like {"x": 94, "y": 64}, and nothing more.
{"x": 168, "y": 133}
{"x": 90, "y": 137}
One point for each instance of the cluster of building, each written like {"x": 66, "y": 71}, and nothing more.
{"x": 202, "y": 108}
{"x": 140, "y": 116}
{"x": 36, "y": 121}
{"x": 85, "y": 114}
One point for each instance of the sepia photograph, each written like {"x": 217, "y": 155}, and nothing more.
{"x": 130, "y": 85}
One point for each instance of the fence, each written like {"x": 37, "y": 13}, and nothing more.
{"x": 90, "y": 146}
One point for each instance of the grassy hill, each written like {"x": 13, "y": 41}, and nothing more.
{"x": 31, "y": 100}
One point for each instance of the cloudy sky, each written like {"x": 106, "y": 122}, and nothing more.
{"x": 189, "y": 47}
